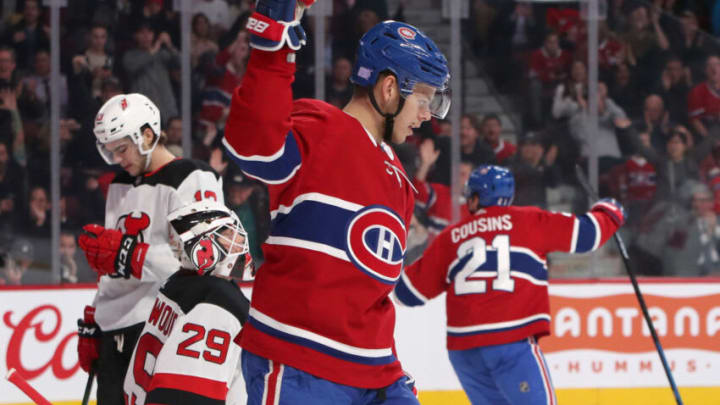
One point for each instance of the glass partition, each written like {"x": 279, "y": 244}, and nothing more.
{"x": 652, "y": 134}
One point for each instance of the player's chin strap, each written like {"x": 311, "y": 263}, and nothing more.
{"x": 389, "y": 118}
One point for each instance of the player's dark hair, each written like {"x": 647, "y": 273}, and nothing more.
{"x": 162, "y": 140}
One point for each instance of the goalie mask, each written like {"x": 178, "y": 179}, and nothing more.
{"x": 126, "y": 115}
{"x": 209, "y": 238}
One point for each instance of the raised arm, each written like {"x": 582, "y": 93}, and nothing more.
{"x": 259, "y": 134}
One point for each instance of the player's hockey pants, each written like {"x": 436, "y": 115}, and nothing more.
{"x": 116, "y": 349}
{"x": 272, "y": 383}
{"x": 508, "y": 374}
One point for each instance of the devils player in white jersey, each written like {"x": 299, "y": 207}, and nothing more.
{"x": 188, "y": 351}
{"x": 131, "y": 252}
{"x": 493, "y": 268}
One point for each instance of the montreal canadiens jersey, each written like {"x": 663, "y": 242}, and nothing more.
{"x": 493, "y": 267}
{"x": 340, "y": 205}
{"x": 188, "y": 351}
{"x": 139, "y": 206}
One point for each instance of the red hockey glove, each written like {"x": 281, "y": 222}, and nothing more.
{"x": 109, "y": 252}
{"x": 612, "y": 208}
{"x": 276, "y": 23}
{"x": 88, "y": 339}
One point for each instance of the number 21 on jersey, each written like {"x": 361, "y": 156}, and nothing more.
{"x": 478, "y": 250}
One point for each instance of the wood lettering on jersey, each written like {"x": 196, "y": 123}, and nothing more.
{"x": 162, "y": 316}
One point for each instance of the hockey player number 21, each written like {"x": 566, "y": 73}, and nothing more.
{"x": 477, "y": 248}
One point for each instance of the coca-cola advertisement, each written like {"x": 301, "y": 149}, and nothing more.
{"x": 38, "y": 338}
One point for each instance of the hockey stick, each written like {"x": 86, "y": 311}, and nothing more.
{"x": 626, "y": 260}
{"x": 88, "y": 385}
{"x": 14, "y": 377}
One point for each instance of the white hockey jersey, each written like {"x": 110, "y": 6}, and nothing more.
{"x": 187, "y": 352}
{"x": 140, "y": 205}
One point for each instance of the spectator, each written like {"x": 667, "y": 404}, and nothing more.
{"x": 571, "y": 91}
{"x": 12, "y": 189}
{"x": 222, "y": 79}
{"x": 95, "y": 64}
{"x": 674, "y": 167}
{"x": 17, "y": 261}
{"x": 68, "y": 263}
{"x": 703, "y": 102}
{"x": 472, "y": 148}
{"x": 28, "y": 35}
{"x": 549, "y": 66}
{"x": 217, "y": 12}
{"x": 657, "y": 121}
{"x": 200, "y": 41}
{"x": 685, "y": 238}
{"x": 692, "y": 44}
{"x": 491, "y": 127}
{"x": 635, "y": 181}
{"x": 534, "y": 170}
{"x": 338, "y": 88}
{"x": 37, "y": 89}
{"x": 522, "y": 23}
{"x": 611, "y": 51}
{"x": 35, "y": 222}
{"x": 646, "y": 40}
{"x": 673, "y": 86}
{"x": 604, "y": 142}
{"x": 624, "y": 90}
{"x": 148, "y": 66}
{"x": 153, "y": 12}
{"x": 11, "y": 125}
{"x": 7, "y": 66}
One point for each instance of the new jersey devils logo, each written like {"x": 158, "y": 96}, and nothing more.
{"x": 133, "y": 224}
{"x": 204, "y": 255}
{"x": 376, "y": 242}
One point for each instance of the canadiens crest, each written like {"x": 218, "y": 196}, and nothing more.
{"x": 375, "y": 243}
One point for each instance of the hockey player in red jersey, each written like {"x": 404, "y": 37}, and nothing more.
{"x": 131, "y": 253}
{"x": 320, "y": 328}
{"x": 493, "y": 267}
{"x": 188, "y": 351}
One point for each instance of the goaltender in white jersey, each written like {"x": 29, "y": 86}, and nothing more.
{"x": 131, "y": 252}
{"x": 188, "y": 352}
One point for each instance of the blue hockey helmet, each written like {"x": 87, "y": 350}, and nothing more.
{"x": 494, "y": 185}
{"x": 410, "y": 55}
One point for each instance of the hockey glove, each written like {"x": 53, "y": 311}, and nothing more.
{"x": 276, "y": 23}
{"x": 109, "y": 252}
{"x": 612, "y": 208}
{"x": 88, "y": 339}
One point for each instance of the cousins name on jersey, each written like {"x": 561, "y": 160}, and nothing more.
{"x": 483, "y": 224}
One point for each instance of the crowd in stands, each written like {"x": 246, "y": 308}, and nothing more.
{"x": 114, "y": 47}
{"x": 658, "y": 140}
{"x": 658, "y": 132}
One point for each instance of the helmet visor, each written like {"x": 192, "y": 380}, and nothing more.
{"x": 440, "y": 103}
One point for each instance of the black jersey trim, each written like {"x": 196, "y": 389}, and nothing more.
{"x": 172, "y": 174}
{"x": 188, "y": 289}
